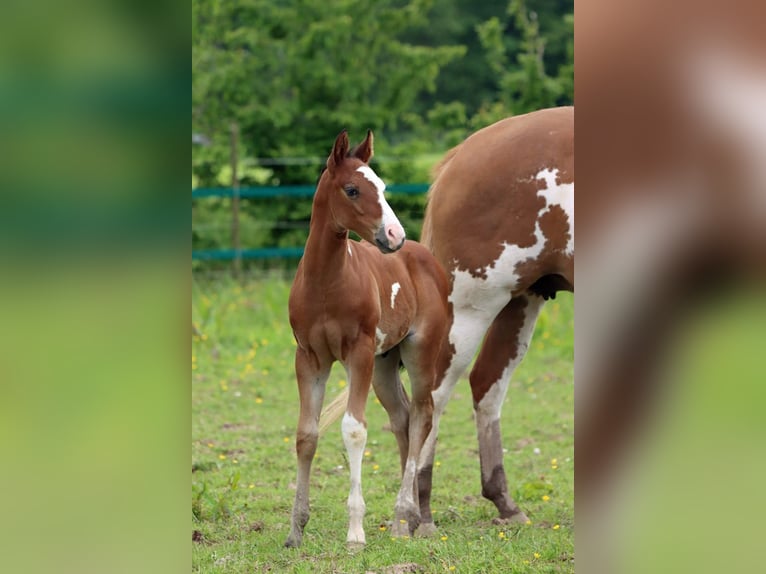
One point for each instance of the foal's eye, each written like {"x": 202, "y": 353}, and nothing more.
{"x": 351, "y": 191}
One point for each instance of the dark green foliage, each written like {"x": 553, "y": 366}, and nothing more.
{"x": 422, "y": 74}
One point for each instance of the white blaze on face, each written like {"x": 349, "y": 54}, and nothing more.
{"x": 389, "y": 217}
{"x": 561, "y": 194}
{"x": 394, "y": 290}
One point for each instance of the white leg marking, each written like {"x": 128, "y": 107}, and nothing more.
{"x": 355, "y": 437}
{"x": 406, "y": 495}
{"x": 394, "y": 290}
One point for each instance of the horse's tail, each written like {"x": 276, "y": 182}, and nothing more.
{"x": 427, "y": 231}
{"x": 333, "y": 411}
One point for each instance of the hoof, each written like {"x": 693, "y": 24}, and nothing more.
{"x": 400, "y": 529}
{"x": 292, "y": 542}
{"x": 519, "y": 518}
{"x": 354, "y": 546}
{"x": 426, "y": 530}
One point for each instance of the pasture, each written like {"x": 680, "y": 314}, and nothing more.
{"x": 244, "y": 415}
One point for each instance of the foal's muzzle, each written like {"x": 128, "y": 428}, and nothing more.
{"x": 390, "y": 237}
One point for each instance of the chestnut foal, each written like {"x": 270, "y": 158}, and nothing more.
{"x": 352, "y": 302}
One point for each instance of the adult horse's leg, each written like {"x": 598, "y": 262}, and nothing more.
{"x": 504, "y": 347}
{"x": 311, "y": 386}
{"x": 390, "y": 392}
{"x": 359, "y": 366}
{"x": 471, "y": 319}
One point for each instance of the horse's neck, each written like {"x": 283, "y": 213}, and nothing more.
{"x": 326, "y": 248}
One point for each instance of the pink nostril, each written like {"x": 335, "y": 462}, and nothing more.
{"x": 394, "y": 234}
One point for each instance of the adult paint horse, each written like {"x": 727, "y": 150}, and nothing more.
{"x": 367, "y": 307}
{"x": 500, "y": 219}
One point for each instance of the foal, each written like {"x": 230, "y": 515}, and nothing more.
{"x": 351, "y": 303}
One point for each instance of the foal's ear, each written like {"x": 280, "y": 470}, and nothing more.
{"x": 364, "y": 150}
{"x": 339, "y": 151}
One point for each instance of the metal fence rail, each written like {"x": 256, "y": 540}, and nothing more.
{"x": 234, "y": 254}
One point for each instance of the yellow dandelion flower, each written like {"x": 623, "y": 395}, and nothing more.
{"x": 528, "y": 522}
{"x": 367, "y": 453}
{"x": 501, "y": 534}
{"x": 556, "y": 527}
{"x": 251, "y": 485}
{"x": 554, "y": 467}
{"x": 342, "y": 383}
{"x": 286, "y": 439}
{"x": 222, "y": 456}
{"x": 526, "y": 561}
{"x": 210, "y": 444}
{"x": 375, "y": 467}
{"x": 235, "y": 461}
{"x": 554, "y": 461}
{"x": 383, "y": 528}
{"x": 451, "y": 568}
{"x": 444, "y": 538}
{"x": 437, "y": 463}
{"x": 258, "y": 400}
{"x": 546, "y": 498}
{"x": 537, "y": 555}
{"x": 402, "y": 521}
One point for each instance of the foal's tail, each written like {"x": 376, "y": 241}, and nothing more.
{"x": 333, "y": 411}
{"x": 426, "y": 232}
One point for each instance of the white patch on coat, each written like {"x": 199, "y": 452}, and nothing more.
{"x": 380, "y": 339}
{"x": 558, "y": 194}
{"x": 389, "y": 217}
{"x": 394, "y": 290}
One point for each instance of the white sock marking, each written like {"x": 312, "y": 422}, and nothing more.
{"x": 355, "y": 438}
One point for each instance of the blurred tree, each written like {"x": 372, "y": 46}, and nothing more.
{"x": 293, "y": 74}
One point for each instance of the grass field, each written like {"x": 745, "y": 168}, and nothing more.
{"x": 244, "y": 413}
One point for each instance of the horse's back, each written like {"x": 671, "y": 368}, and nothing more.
{"x": 505, "y": 185}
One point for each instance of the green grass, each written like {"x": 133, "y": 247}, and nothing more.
{"x": 244, "y": 412}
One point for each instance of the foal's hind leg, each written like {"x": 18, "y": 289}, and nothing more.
{"x": 389, "y": 390}
{"x": 311, "y": 386}
{"x": 504, "y": 347}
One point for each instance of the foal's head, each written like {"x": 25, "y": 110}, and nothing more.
{"x": 355, "y": 195}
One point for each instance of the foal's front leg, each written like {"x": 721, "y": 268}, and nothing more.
{"x": 359, "y": 365}
{"x": 312, "y": 378}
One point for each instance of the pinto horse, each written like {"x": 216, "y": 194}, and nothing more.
{"x": 368, "y": 305}
{"x": 500, "y": 219}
